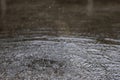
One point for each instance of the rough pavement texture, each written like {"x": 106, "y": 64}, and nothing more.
{"x": 58, "y": 58}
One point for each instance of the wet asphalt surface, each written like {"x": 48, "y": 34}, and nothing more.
{"x": 58, "y": 58}
{"x": 65, "y": 44}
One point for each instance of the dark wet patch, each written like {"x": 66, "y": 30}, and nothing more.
{"x": 44, "y": 64}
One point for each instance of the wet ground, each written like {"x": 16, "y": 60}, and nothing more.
{"x": 48, "y": 40}
{"x": 59, "y": 58}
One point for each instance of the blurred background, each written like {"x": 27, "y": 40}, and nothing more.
{"x": 96, "y": 18}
